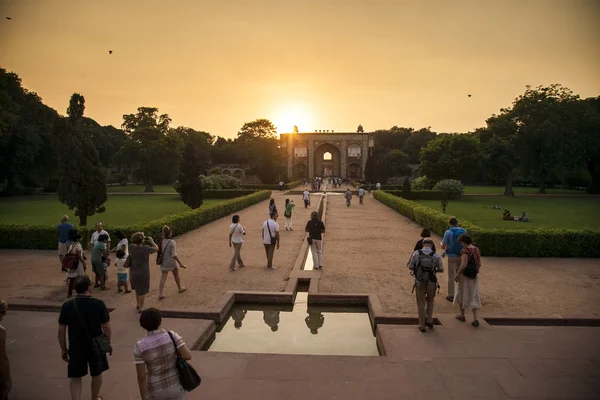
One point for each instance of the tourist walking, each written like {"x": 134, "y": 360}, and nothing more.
{"x": 378, "y": 186}
{"x": 63, "y": 230}
{"x": 75, "y": 248}
{"x": 122, "y": 273}
{"x": 468, "y": 279}
{"x": 99, "y": 255}
{"x": 272, "y": 207}
{"x": 306, "y": 198}
{"x": 86, "y": 318}
{"x": 315, "y": 228}
{"x": 270, "y": 234}
{"x": 361, "y": 195}
{"x": 138, "y": 263}
{"x": 123, "y": 243}
{"x": 5, "y": 378}
{"x": 289, "y": 206}
{"x": 169, "y": 262}
{"x": 348, "y": 197}
{"x": 236, "y": 239}
{"x": 453, "y": 250}
{"x": 155, "y": 358}
{"x": 424, "y": 264}
{"x": 281, "y": 186}
{"x": 99, "y": 231}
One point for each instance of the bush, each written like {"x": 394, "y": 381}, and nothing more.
{"x": 215, "y": 171}
{"x": 45, "y": 237}
{"x": 117, "y": 178}
{"x": 422, "y": 183}
{"x": 452, "y": 188}
{"x": 227, "y": 193}
{"x": 503, "y": 243}
{"x": 215, "y": 182}
{"x": 418, "y": 194}
{"x": 271, "y": 186}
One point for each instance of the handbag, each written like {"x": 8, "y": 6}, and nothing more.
{"x": 273, "y": 239}
{"x": 188, "y": 377}
{"x": 70, "y": 262}
{"x": 159, "y": 253}
{"x": 471, "y": 270}
{"x": 100, "y": 344}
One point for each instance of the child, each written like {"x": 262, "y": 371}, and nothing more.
{"x": 121, "y": 272}
{"x": 106, "y": 264}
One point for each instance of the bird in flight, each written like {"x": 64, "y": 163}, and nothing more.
{"x": 110, "y": 52}
{"x": 469, "y": 95}
{"x": 9, "y": 18}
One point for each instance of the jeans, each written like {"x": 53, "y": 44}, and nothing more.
{"x": 360, "y": 199}
{"x": 317, "y": 253}
{"x": 172, "y": 393}
{"x": 237, "y": 248}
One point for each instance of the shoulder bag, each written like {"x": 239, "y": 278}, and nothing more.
{"x": 160, "y": 252}
{"x": 273, "y": 239}
{"x": 70, "y": 261}
{"x": 100, "y": 344}
{"x": 470, "y": 270}
{"x": 188, "y": 377}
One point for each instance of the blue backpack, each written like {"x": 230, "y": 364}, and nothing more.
{"x": 453, "y": 246}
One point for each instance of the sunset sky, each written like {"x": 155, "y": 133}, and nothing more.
{"x": 213, "y": 65}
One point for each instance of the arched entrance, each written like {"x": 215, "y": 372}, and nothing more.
{"x": 238, "y": 173}
{"x": 354, "y": 171}
{"x": 327, "y": 161}
{"x": 300, "y": 171}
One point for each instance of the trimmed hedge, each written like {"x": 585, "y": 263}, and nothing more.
{"x": 418, "y": 194}
{"x": 45, "y": 237}
{"x": 271, "y": 186}
{"x": 226, "y": 193}
{"x": 503, "y": 243}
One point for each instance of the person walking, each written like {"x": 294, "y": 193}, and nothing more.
{"x": 270, "y": 234}
{"x": 272, "y": 207}
{"x": 361, "y": 195}
{"x": 63, "y": 230}
{"x": 5, "y": 377}
{"x": 100, "y": 251}
{"x": 306, "y": 198}
{"x": 123, "y": 243}
{"x": 169, "y": 262}
{"x": 74, "y": 247}
{"x": 315, "y": 228}
{"x": 155, "y": 358}
{"x": 378, "y": 186}
{"x": 99, "y": 231}
{"x": 289, "y": 206}
{"x": 85, "y": 317}
{"x": 424, "y": 264}
{"x": 138, "y": 263}
{"x": 236, "y": 238}
{"x": 468, "y": 279}
{"x": 453, "y": 250}
{"x": 348, "y": 197}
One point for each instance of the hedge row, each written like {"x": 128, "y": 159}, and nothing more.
{"x": 226, "y": 193}
{"x": 269, "y": 186}
{"x": 418, "y": 194}
{"x": 44, "y": 237}
{"x": 503, "y": 243}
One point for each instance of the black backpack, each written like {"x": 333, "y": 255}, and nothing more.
{"x": 424, "y": 271}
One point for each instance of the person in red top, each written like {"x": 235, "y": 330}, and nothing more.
{"x": 468, "y": 279}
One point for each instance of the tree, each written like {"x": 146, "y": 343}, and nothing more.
{"x": 150, "y": 147}
{"x": 415, "y": 142}
{"x": 590, "y": 131}
{"x": 82, "y": 184}
{"x": 395, "y": 163}
{"x": 499, "y": 148}
{"x": 451, "y": 156}
{"x": 406, "y": 188}
{"x": 190, "y": 189}
{"x": 200, "y": 141}
{"x": 258, "y": 129}
{"x": 258, "y": 142}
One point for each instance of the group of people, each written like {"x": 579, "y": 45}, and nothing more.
{"x": 132, "y": 262}
{"x": 464, "y": 263}
{"x": 86, "y": 319}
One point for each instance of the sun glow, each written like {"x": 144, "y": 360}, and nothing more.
{"x": 288, "y": 115}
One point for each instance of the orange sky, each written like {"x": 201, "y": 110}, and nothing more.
{"x": 213, "y": 65}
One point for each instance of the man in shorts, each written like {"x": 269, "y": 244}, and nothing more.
{"x": 85, "y": 317}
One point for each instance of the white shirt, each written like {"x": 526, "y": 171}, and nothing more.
{"x": 236, "y": 231}
{"x": 96, "y": 234}
{"x": 125, "y": 243}
{"x": 306, "y": 195}
{"x": 378, "y": 186}
{"x": 270, "y": 228}
{"x": 361, "y": 192}
{"x": 120, "y": 264}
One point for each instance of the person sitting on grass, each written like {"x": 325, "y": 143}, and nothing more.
{"x": 122, "y": 276}
{"x": 506, "y": 216}
{"x": 523, "y": 217}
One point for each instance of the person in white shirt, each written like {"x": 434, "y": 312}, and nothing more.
{"x": 270, "y": 234}
{"x": 99, "y": 231}
{"x": 306, "y": 198}
{"x": 236, "y": 233}
{"x": 378, "y": 186}
{"x": 281, "y": 185}
{"x": 361, "y": 195}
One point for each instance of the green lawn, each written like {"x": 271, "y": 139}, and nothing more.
{"x": 139, "y": 189}
{"x": 120, "y": 209}
{"x": 547, "y": 212}
{"x": 517, "y": 190}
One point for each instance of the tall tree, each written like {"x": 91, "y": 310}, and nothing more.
{"x": 201, "y": 143}
{"x": 415, "y": 142}
{"x": 451, "y": 156}
{"x": 590, "y": 132}
{"x": 82, "y": 185}
{"x": 258, "y": 141}
{"x": 258, "y": 129}
{"x": 189, "y": 178}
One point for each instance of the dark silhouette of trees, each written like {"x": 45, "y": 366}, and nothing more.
{"x": 189, "y": 177}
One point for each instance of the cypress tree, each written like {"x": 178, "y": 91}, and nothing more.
{"x": 189, "y": 178}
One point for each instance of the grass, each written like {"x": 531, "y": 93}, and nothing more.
{"x": 120, "y": 210}
{"x": 139, "y": 189}
{"x": 548, "y": 212}
{"x": 517, "y": 190}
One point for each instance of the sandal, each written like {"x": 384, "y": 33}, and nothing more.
{"x": 161, "y": 297}
{"x": 475, "y": 323}
{"x": 183, "y": 289}
{"x": 461, "y": 318}
{"x": 449, "y": 298}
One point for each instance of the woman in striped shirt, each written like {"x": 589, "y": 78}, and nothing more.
{"x": 155, "y": 357}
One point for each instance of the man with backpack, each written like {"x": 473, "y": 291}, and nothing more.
{"x": 453, "y": 248}
{"x": 424, "y": 264}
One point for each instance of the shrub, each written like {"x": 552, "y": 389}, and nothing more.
{"x": 452, "y": 189}
{"x": 418, "y": 194}
{"x": 503, "y": 243}
{"x": 422, "y": 183}
{"x": 406, "y": 189}
{"x": 271, "y": 186}
{"x": 215, "y": 182}
{"x": 45, "y": 237}
{"x": 227, "y": 193}
{"x": 215, "y": 171}
{"x": 117, "y": 178}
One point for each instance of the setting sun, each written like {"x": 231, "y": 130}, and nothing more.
{"x": 288, "y": 115}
